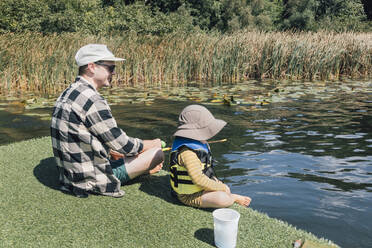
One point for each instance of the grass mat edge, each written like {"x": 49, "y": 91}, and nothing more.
{"x": 34, "y": 213}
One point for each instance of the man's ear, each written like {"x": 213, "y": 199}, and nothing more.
{"x": 91, "y": 67}
{"x": 89, "y": 70}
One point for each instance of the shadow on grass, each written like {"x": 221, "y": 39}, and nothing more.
{"x": 47, "y": 174}
{"x": 158, "y": 186}
{"x": 206, "y": 235}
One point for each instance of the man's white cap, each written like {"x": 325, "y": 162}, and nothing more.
{"x": 94, "y": 52}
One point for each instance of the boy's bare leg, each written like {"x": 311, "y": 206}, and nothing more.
{"x": 221, "y": 199}
{"x": 216, "y": 199}
{"x": 150, "y": 161}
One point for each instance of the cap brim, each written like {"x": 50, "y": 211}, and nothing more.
{"x": 113, "y": 59}
{"x": 201, "y": 133}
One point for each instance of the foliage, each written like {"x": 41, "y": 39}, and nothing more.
{"x": 367, "y": 4}
{"x": 142, "y": 20}
{"x": 342, "y": 15}
{"x": 18, "y": 16}
{"x": 165, "y": 16}
{"x": 299, "y": 14}
{"x": 91, "y": 17}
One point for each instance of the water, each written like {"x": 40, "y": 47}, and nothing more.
{"x": 307, "y": 160}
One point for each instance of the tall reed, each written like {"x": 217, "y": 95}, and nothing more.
{"x": 45, "y": 64}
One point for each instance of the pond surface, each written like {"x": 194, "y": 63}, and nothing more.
{"x": 303, "y": 153}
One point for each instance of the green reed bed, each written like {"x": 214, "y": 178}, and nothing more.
{"x": 35, "y": 63}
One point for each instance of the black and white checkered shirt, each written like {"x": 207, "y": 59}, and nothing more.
{"x": 83, "y": 130}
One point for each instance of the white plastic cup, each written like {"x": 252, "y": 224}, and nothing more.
{"x": 225, "y": 227}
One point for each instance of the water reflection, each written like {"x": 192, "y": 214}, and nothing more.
{"x": 324, "y": 149}
{"x": 339, "y": 184}
{"x": 18, "y": 126}
{"x": 317, "y": 129}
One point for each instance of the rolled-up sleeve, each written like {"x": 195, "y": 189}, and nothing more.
{"x": 101, "y": 123}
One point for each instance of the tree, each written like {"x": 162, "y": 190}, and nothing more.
{"x": 367, "y": 4}
{"x": 340, "y": 15}
{"x": 298, "y": 14}
{"x": 165, "y": 6}
{"x": 17, "y": 16}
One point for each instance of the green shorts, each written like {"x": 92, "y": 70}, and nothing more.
{"x": 119, "y": 170}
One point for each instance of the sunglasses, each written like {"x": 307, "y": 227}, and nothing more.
{"x": 110, "y": 68}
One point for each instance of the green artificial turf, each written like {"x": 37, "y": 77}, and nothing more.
{"x": 34, "y": 213}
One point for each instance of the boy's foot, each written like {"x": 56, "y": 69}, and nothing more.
{"x": 156, "y": 169}
{"x": 242, "y": 200}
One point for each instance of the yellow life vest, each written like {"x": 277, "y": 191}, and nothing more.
{"x": 179, "y": 178}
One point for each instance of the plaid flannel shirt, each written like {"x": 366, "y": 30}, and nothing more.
{"x": 83, "y": 131}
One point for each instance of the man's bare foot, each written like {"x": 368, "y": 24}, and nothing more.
{"x": 156, "y": 169}
{"x": 242, "y": 200}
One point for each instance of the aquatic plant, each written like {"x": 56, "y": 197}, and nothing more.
{"x": 33, "y": 62}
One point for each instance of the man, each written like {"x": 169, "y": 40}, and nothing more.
{"x": 85, "y": 134}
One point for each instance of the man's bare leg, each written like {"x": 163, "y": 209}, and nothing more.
{"x": 150, "y": 161}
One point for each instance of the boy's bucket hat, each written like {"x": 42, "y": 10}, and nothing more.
{"x": 94, "y": 52}
{"x": 196, "y": 122}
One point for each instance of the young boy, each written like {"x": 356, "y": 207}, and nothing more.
{"x": 192, "y": 177}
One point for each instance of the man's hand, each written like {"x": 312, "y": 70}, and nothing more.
{"x": 116, "y": 155}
